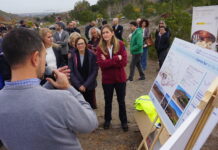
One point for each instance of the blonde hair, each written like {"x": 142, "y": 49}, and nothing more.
{"x": 114, "y": 41}
{"x": 164, "y": 24}
{"x": 73, "y": 37}
{"x": 43, "y": 32}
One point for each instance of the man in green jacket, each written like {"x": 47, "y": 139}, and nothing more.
{"x": 136, "y": 49}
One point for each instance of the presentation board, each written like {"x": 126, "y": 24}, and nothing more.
{"x": 205, "y": 26}
{"x": 187, "y": 72}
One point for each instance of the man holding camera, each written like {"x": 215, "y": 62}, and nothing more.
{"x": 33, "y": 117}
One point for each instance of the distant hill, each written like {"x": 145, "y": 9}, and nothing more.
{"x": 8, "y": 18}
{"x": 38, "y": 14}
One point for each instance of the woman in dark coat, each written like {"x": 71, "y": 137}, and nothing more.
{"x": 84, "y": 69}
{"x": 162, "y": 44}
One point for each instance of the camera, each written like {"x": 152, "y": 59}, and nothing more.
{"x": 49, "y": 73}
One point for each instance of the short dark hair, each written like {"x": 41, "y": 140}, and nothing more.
{"x": 146, "y": 22}
{"x": 21, "y": 21}
{"x": 19, "y": 43}
{"x": 77, "y": 40}
{"x": 162, "y": 27}
{"x": 104, "y": 22}
{"x": 61, "y": 24}
{"x": 134, "y": 23}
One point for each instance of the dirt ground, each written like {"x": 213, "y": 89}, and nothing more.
{"x": 115, "y": 138}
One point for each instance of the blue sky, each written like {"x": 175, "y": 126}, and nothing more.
{"x": 33, "y": 6}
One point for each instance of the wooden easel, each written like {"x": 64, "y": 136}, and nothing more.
{"x": 146, "y": 127}
{"x": 208, "y": 103}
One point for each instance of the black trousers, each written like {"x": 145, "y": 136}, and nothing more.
{"x": 136, "y": 62}
{"x": 161, "y": 54}
{"x": 1, "y": 144}
{"x": 120, "y": 89}
{"x": 65, "y": 59}
{"x": 89, "y": 97}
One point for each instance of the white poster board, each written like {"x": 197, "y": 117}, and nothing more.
{"x": 205, "y": 26}
{"x": 186, "y": 74}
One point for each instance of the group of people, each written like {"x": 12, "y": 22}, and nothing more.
{"x": 68, "y": 64}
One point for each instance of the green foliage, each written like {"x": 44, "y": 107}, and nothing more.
{"x": 151, "y": 49}
{"x": 180, "y": 25}
{"x": 214, "y": 2}
{"x": 131, "y": 12}
{"x": 83, "y": 16}
{"x": 50, "y": 18}
{"x": 82, "y": 12}
{"x": 81, "y": 5}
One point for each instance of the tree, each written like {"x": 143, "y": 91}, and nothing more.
{"x": 50, "y": 18}
{"x": 81, "y": 5}
{"x": 83, "y": 16}
{"x": 180, "y": 25}
{"x": 131, "y": 12}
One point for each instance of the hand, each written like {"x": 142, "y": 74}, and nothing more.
{"x": 61, "y": 80}
{"x": 65, "y": 70}
{"x": 82, "y": 88}
{"x": 69, "y": 55}
{"x": 120, "y": 57}
{"x": 103, "y": 57}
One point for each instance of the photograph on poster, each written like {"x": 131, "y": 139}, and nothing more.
{"x": 181, "y": 97}
{"x": 204, "y": 39}
{"x": 205, "y": 27}
{"x": 164, "y": 103}
{"x": 173, "y": 111}
{"x": 157, "y": 92}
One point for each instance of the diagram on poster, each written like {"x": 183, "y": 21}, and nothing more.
{"x": 182, "y": 81}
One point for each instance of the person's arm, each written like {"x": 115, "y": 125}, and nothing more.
{"x": 166, "y": 40}
{"x": 65, "y": 70}
{"x": 138, "y": 43}
{"x": 87, "y": 32}
{"x": 121, "y": 32}
{"x": 106, "y": 63}
{"x": 54, "y": 38}
{"x": 65, "y": 42}
{"x": 123, "y": 53}
{"x": 94, "y": 72}
{"x": 79, "y": 116}
{"x": 75, "y": 82}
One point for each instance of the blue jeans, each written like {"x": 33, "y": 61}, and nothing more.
{"x": 144, "y": 58}
{"x": 1, "y": 84}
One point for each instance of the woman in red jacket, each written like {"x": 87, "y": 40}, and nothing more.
{"x": 112, "y": 59}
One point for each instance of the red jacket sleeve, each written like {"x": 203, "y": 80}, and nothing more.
{"x": 123, "y": 53}
{"x": 107, "y": 63}
{"x": 114, "y": 62}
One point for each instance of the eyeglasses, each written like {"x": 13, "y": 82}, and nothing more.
{"x": 80, "y": 44}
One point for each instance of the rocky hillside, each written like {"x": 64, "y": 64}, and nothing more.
{"x": 8, "y": 18}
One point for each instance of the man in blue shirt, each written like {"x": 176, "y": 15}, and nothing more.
{"x": 33, "y": 117}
